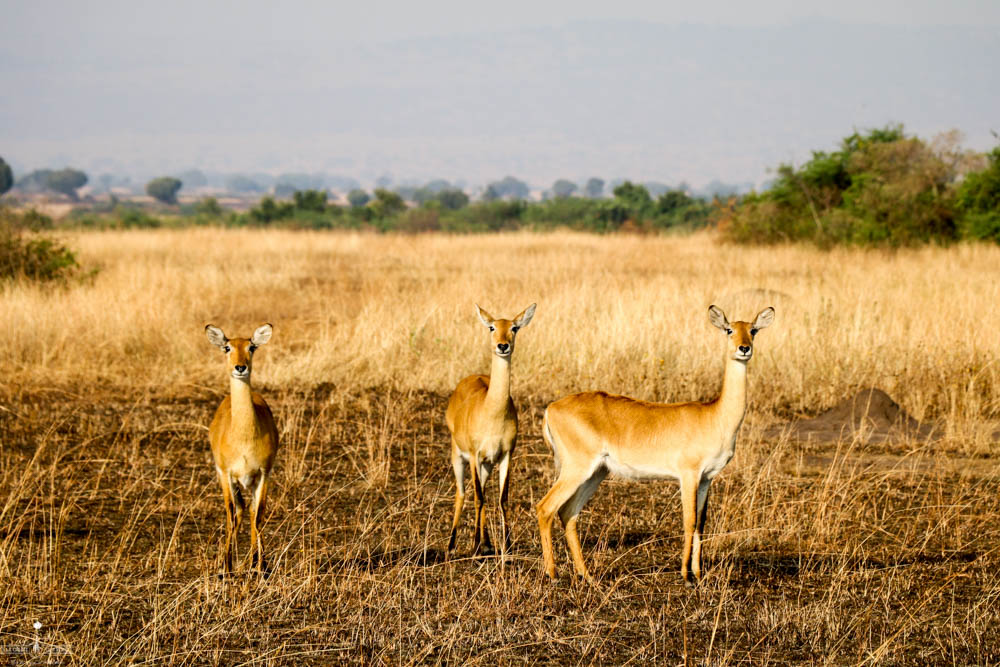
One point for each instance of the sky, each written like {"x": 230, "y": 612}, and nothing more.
{"x": 664, "y": 91}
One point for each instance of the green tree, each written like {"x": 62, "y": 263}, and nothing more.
{"x": 881, "y": 187}
{"x": 978, "y": 200}
{"x": 310, "y": 200}
{"x": 6, "y": 177}
{"x": 387, "y": 203}
{"x": 563, "y": 188}
{"x": 209, "y": 208}
{"x": 635, "y": 196}
{"x": 594, "y": 188}
{"x": 164, "y": 189}
{"x": 672, "y": 200}
{"x": 268, "y": 210}
{"x": 452, "y": 199}
{"x": 358, "y": 198}
{"x": 67, "y": 181}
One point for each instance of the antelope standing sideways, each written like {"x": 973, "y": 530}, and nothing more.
{"x": 244, "y": 440}
{"x": 482, "y": 419}
{"x": 594, "y": 433}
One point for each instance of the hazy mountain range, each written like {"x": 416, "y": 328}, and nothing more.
{"x": 600, "y": 98}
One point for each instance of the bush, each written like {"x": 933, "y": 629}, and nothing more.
{"x": 27, "y": 255}
{"x": 982, "y": 226}
{"x": 209, "y": 208}
{"x": 881, "y": 188}
{"x": 978, "y": 200}
{"x": 310, "y": 200}
{"x": 387, "y": 204}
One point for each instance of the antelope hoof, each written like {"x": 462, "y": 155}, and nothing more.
{"x": 484, "y": 550}
{"x": 259, "y": 565}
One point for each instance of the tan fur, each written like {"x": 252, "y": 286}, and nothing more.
{"x": 244, "y": 440}
{"x": 482, "y": 419}
{"x": 593, "y": 434}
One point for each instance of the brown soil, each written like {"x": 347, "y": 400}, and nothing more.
{"x": 870, "y": 416}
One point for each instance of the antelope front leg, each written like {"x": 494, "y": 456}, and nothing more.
{"x": 458, "y": 466}
{"x": 699, "y": 530}
{"x": 558, "y": 495}
{"x": 689, "y": 486}
{"x": 256, "y": 519}
{"x": 504, "y": 482}
{"x": 478, "y": 499}
{"x": 232, "y": 522}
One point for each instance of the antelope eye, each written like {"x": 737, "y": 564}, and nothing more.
{"x": 228, "y": 349}
{"x": 753, "y": 332}
{"x": 492, "y": 329}
{"x": 729, "y": 332}
{"x": 514, "y": 329}
{"x": 252, "y": 348}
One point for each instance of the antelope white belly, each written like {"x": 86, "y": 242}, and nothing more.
{"x": 626, "y": 471}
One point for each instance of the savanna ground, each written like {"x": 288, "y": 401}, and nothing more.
{"x": 856, "y": 550}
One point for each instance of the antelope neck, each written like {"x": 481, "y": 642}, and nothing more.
{"x": 241, "y": 405}
{"x": 499, "y": 391}
{"x": 732, "y": 402}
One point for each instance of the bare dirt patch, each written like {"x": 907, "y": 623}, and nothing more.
{"x": 111, "y": 526}
{"x": 869, "y": 416}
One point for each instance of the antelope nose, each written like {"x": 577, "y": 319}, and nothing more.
{"x": 241, "y": 369}
{"x": 744, "y": 349}
{"x": 503, "y": 346}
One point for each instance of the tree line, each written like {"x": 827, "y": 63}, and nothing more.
{"x": 880, "y": 187}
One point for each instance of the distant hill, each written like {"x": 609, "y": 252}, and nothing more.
{"x": 651, "y": 102}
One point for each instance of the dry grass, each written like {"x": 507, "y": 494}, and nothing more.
{"x": 110, "y": 523}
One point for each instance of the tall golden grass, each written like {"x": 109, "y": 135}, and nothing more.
{"x": 623, "y": 313}
{"x": 843, "y": 553}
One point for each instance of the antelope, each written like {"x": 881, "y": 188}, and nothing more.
{"x": 244, "y": 440}
{"x": 482, "y": 419}
{"x": 594, "y": 433}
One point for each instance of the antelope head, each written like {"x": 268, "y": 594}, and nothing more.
{"x": 741, "y": 334}
{"x": 239, "y": 351}
{"x": 503, "y": 332}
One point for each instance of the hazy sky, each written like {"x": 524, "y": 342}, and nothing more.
{"x": 475, "y": 91}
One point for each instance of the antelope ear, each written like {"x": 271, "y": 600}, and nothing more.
{"x": 261, "y": 335}
{"x": 718, "y": 318}
{"x": 524, "y": 319}
{"x": 215, "y": 336}
{"x": 764, "y": 319}
{"x": 484, "y": 317}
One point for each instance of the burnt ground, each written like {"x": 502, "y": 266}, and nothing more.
{"x": 837, "y": 550}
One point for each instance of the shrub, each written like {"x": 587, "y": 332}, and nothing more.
{"x": 209, "y": 208}
{"x": 310, "y": 200}
{"x": 880, "y": 188}
{"x": 978, "y": 200}
{"x": 28, "y": 255}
